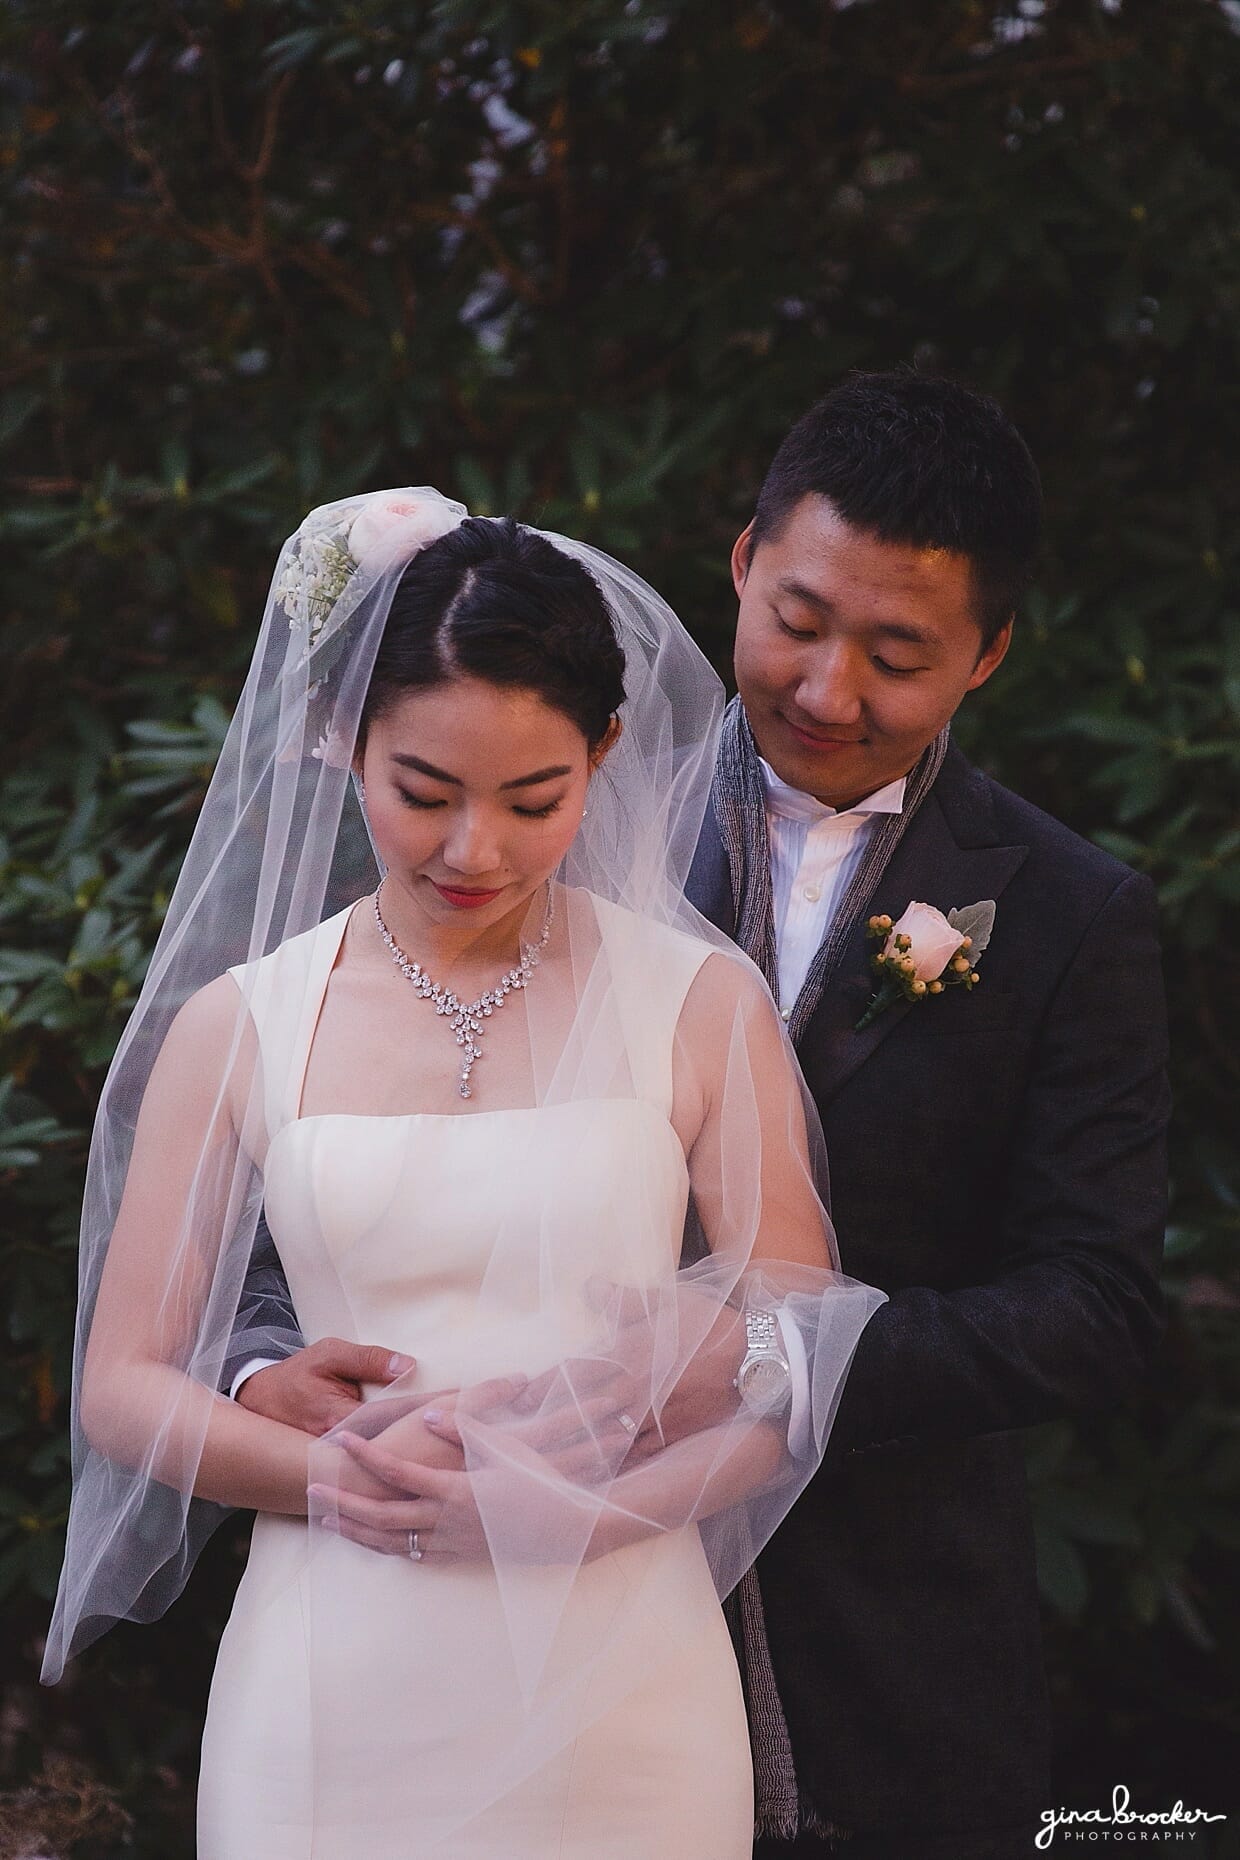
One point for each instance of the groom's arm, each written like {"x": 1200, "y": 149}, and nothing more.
{"x": 265, "y": 1329}
{"x": 1071, "y": 1315}
{"x": 271, "y": 1370}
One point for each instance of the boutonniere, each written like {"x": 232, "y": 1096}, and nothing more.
{"x": 923, "y": 953}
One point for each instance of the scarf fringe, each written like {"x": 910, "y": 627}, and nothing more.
{"x": 785, "y": 1824}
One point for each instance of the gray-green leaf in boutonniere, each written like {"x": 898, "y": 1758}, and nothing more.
{"x": 924, "y": 953}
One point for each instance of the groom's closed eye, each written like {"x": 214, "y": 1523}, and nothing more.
{"x": 794, "y": 632}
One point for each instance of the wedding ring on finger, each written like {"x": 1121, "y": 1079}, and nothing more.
{"x": 627, "y": 1422}
{"x": 415, "y": 1552}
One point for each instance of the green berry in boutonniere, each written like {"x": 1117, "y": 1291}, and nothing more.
{"x": 924, "y": 953}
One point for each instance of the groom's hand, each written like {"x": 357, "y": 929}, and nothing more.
{"x": 318, "y": 1387}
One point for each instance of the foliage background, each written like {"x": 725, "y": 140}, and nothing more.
{"x": 585, "y": 260}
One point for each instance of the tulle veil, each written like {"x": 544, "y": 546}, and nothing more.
{"x": 280, "y": 846}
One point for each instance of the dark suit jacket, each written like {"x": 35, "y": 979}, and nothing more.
{"x": 997, "y": 1166}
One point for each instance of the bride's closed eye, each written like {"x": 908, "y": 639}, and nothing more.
{"x": 526, "y": 813}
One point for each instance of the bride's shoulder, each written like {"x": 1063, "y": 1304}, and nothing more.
{"x": 209, "y": 1014}
{"x": 649, "y": 935}
{"x": 292, "y": 956}
{"x": 723, "y": 973}
{"x": 728, "y": 983}
{"x": 206, "y": 1041}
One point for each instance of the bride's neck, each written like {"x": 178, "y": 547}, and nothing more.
{"x": 461, "y": 949}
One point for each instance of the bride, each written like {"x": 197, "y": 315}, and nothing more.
{"x": 520, "y": 1111}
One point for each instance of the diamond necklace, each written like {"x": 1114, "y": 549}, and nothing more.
{"x": 468, "y": 1016}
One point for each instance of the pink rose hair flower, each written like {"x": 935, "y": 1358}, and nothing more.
{"x": 392, "y": 526}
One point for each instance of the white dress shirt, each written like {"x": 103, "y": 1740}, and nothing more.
{"x": 815, "y": 851}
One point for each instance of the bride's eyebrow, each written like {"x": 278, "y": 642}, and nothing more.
{"x": 522, "y": 781}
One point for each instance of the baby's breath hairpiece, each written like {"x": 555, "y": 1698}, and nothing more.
{"x": 315, "y": 575}
{"x": 339, "y": 548}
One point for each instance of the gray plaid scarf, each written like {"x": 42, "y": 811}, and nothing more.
{"x": 739, "y": 800}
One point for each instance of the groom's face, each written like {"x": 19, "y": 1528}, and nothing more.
{"x": 851, "y": 654}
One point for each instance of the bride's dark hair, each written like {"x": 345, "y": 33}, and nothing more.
{"x": 494, "y": 600}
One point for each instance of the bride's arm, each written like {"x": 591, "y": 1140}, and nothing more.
{"x": 740, "y": 1113}
{"x": 184, "y": 1191}
{"x": 739, "y": 1109}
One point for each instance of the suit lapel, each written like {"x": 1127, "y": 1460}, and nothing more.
{"x": 709, "y": 885}
{"x": 949, "y": 857}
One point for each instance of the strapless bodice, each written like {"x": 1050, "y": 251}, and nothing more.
{"x": 469, "y": 1242}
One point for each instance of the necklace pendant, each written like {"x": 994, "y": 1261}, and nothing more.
{"x": 465, "y": 1018}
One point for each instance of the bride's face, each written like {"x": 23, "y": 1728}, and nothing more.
{"x": 474, "y": 793}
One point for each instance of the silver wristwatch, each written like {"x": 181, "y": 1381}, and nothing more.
{"x": 764, "y": 1379}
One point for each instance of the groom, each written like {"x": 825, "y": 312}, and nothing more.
{"x": 997, "y": 1151}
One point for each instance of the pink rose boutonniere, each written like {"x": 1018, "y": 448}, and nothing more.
{"x": 924, "y": 952}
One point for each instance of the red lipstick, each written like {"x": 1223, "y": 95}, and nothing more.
{"x": 464, "y": 900}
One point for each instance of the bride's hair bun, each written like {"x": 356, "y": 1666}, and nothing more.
{"x": 494, "y": 600}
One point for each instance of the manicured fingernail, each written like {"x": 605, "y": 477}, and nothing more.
{"x": 329, "y": 1524}
{"x": 399, "y": 1365}
{"x": 433, "y": 1417}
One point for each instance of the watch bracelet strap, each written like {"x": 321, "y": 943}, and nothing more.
{"x": 762, "y": 1332}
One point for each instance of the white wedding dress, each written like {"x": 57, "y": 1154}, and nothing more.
{"x": 360, "y": 1702}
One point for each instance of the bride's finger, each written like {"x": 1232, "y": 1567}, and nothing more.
{"x": 567, "y": 1382}
{"x": 378, "y": 1514}
{"x": 499, "y": 1392}
{"x": 370, "y": 1418}
{"x": 408, "y": 1476}
{"x": 597, "y": 1428}
{"x": 389, "y": 1543}
{"x": 560, "y": 1426}
{"x": 591, "y": 1464}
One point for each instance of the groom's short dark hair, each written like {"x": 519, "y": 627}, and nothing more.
{"x": 918, "y": 460}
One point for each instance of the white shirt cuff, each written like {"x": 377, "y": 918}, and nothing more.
{"x": 269, "y": 1362}
{"x": 798, "y": 1365}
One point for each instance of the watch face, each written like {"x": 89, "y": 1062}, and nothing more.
{"x": 765, "y": 1383}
